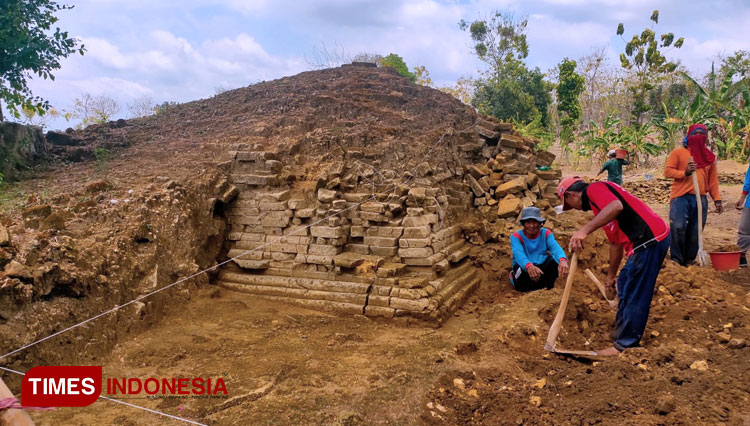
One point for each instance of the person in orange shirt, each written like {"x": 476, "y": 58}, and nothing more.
{"x": 683, "y": 209}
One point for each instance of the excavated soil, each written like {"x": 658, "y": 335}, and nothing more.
{"x": 286, "y": 365}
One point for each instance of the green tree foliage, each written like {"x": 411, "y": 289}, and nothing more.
{"x": 499, "y": 40}
{"x": 92, "y": 109}
{"x": 395, "y": 61}
{"x": 739, "y": 62}
{"x": 643, "y": 54}
{"x": 463, "y": 89}
{"x": 422, "y": 76}
{"x": 29, "y": 46}
{"x": 569, "y": 88}
{"x": 508, "y": 89}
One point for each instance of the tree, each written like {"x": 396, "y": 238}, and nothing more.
{"x": 34, "y": 118}
{"x": 141, "y": 107}
{"x": 372, "y": 58}
{"x": 395, "y": 61}
{"x": 508, "y": 89}
{"x": 739, "y": 62}
{"x": 642, "y": 55}
{"x": 93, "y": 110}
{"x": 569, "y": 88}
{"x": 422, "y": 76}
{"x": 463, "y": 90}
{"x": 324, "y": 56}
{"x": 28, "y": 46}
{"x": 499, "y": 40}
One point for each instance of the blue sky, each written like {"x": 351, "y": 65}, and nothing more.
{"x": 182, "y": 50}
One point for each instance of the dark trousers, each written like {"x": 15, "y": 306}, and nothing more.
{"x": 683, "y": 227}
{"x": 522, "y": 281}
{"x": 635, "y": 288}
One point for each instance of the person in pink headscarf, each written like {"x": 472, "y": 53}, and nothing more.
{"x": 683, "y": 208}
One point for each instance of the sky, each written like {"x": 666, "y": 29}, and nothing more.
{"x": 183, "y": 50}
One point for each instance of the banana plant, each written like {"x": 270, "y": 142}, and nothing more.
{"x": 671, "y": 128}
{"x": 599, "y": 139}
{"x": 639, "y": 141}
{"x": 721, "y": 99}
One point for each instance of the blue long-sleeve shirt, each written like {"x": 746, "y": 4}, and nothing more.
{"x": 528, "y": 251}
{"x": 746, "y": 187}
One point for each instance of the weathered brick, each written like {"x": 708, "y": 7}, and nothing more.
{"x": 245, "y": 220}
{"x": 418, "y": 305}
{"x": 475, "y": 186}
{"x": 372, "y": 206}
{"x": 305, "y": 213}
{"x": 414, "y": 242}
{"x": 424, "y": 261}
{"x": 274, "y": 220}
{"x": 357, "y": 248}
{"x": 327, "y": 231}
{"x": 283, "y": 247}
{"x": 415, "y": 252}
{"x": 417, "y": 232}
{"x": 319, "y": 260}
{"x": 413, "y": 221}
{"x": 514, "y": 186}
{"x": 381, "y": 241}
{"x": 374, "y": 217}
{"x": 323, "y": 250}
{"x": 326, "y": 195}
{"x": 272, "y": 197}
{"x": 383, "y": 251}
{"x": 273, "y": 206}
{"x": 510, "y": 206}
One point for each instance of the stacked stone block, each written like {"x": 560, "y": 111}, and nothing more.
{"x": 389, "y": 253}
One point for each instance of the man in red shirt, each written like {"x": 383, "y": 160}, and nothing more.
{"x": 633, "y": 229}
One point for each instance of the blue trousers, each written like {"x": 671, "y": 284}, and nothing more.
{"x": 683, "y": 227}
{"x": 635, "y": 288}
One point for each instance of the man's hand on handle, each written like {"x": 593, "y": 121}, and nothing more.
{"x": 690, "y": 168}
{"x": 576, "y": 241}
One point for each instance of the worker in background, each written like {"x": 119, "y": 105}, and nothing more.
{"x": 613, "y": 166}
{"x": 537, "y": 257}
{"x": 743, "y": 230}
{"x": 683, "y": 207}
{"x": 633, "y": 229}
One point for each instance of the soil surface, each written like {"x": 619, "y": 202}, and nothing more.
{"x": 286, "y": 365}
{"x": 486, "y": 365}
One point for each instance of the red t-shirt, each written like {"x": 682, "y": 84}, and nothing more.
{"x": 636, "y": 227}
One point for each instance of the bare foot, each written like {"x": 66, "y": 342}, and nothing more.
{"x": 608, "y": 352}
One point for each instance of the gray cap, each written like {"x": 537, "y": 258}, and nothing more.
{"x": 532, "y": 213}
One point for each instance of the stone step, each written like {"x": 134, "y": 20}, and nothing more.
{"x": 455, "y": 285}
{"x": 256, "y": 179}
{"x": 451, "y": 304}
{"x": 294, "y": 282}
{"x": 320, "y": 305}
{"x": 295, "y": 293}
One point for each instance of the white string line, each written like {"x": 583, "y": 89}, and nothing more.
{"x": 11, "y": 370}
{"x": 128, "y": 404}
{"x": 141, "y": 297}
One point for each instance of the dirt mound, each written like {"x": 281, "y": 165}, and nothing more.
{"x": 148, "y": 208}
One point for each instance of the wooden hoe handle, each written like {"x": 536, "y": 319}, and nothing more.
{"x": 554, "y": 330}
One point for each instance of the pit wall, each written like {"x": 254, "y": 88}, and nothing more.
{"x": 361, "y": 241}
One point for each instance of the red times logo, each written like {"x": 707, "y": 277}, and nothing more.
{"x": 61, "y": 386}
